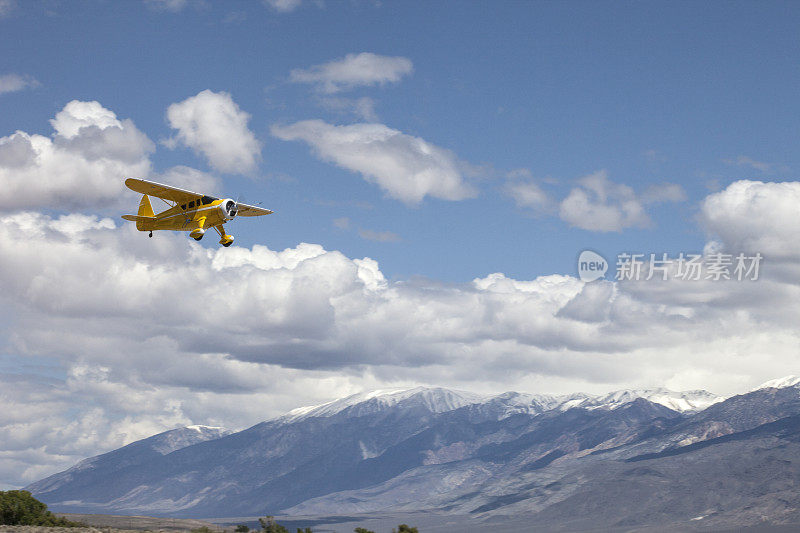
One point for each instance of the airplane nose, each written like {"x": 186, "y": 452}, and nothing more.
{"x": 230, "y": 208}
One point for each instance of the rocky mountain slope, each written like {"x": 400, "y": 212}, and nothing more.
{"x": 628, "y": 458}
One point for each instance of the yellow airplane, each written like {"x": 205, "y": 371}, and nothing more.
{"x": 188, "y": 211}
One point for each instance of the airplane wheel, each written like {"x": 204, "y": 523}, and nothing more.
{"x": 151, "y": 235}
{"x": 227, "y": 244}
{"x": 198, "y": 239}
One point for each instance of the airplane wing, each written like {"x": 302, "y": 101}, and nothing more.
{"x": 251, "y": 210}
{"x": 179, "y": 196}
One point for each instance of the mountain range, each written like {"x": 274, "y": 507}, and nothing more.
{"x": 631, "y": 458}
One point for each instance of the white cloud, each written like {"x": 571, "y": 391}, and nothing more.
{"x": 527, "y": 194}
{"x": 306, "y": 307}
{"x": 598, "y": 204}
{"x": 10, "y": 83}
{"x": 213, "y": 125}
{"x": 128, "y": 317}
{"x": 83, "y": 164}
{"x": 407, "y": 168}
{"x": 77, "y": 115}
{"x": 354, "y": 70}
{"x": 754, "y": 216}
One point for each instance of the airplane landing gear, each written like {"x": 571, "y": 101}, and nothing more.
{"x": 197, "y": 234}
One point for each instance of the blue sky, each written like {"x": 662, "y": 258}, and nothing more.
{"x": 649, "y": 92}
{"x": 435, "y": 169}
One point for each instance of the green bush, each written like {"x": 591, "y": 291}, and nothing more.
{"x": 268, "y": 525}
{"x": 19, "y": 508}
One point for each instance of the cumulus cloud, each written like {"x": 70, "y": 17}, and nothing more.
{"x": 598, "y": 204}
{"x": 310, "y": 308}
{"x": 407, "y": 168}
{"x": 213, "y": 125}
{"x": 77, "y": 115}
{"x": 84, "y": 163}
{"x": 81, "y": 165}
{"x": 10, "y": 83}
{"x": 354, "y": 70}
{"x": 128, "y": 318}
{"x": 754, "y": 216}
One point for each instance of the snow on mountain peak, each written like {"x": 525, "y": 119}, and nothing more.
{"x": 779, "y": 383}
{"x": 684, "y": 401}
{"x": 437, "y": 400}
{"x": 175, "y": 439}
{"x": 199, "y": 428}
{"x": 440, "y": 400}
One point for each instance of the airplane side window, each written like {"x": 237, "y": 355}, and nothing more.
{"x": 191, "y": 204}
{"x": 183, "y": 206}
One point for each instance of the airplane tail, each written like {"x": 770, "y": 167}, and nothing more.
{"x": 145, "y": 210}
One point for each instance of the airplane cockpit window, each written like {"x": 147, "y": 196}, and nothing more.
{"x": 208, "y": 199}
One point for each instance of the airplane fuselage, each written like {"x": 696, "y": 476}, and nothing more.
{"x": 188, "y": 217}
{"x": 194, "y": 216}
{"x": 188, "y": 211}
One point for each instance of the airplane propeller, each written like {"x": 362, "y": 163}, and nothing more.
{"x": 231, "y": 208}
